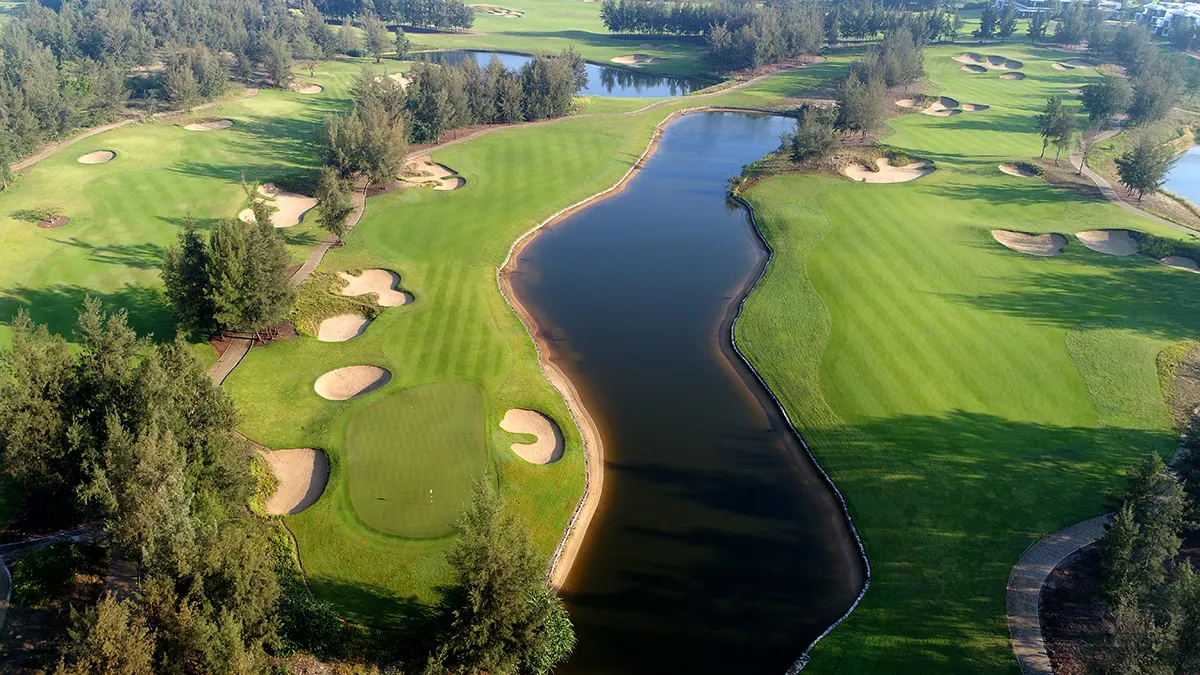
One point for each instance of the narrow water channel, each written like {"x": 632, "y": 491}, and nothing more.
{"x": 1184, "y": 176}
{"x": 717, "y": 547}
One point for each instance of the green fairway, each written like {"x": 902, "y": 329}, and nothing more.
{"x": 125, "y": 212}
{"x": 413, "y": 457}
{"x": 967, "y": 399}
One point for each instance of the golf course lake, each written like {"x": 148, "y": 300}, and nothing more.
{"x": 602, "y": 80}
{"x": 718, "y": 547}
{"x": 1184, "y": 176}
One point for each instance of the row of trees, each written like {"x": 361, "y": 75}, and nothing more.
{"x": 438, "y": 14}
{"x": 1151, "y": 594}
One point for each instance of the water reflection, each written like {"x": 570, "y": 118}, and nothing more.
{"x": 1184, "y": 177}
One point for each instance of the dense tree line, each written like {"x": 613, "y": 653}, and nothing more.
{"x": 237, "y": 279}
{"x": 438, "y": 14}
{"x": 1151, "y": 594}
{"x": 897, "y": 61}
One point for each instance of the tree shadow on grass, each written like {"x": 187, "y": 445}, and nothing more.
{"x": 57, "y": 307}
{"x": 139, "y": 256}
{"x": 372, "y": 605}
{"x": 1130, "y": 291}
{"x": 1007, "y": 193}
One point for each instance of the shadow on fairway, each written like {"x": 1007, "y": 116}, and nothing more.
{"x": 137, "y": 256}
{"x": 372, "y": 605}
{"x": 58, "y": 308}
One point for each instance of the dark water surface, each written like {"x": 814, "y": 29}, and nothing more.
{"x": 602, "y": 80}
{"x": 1184, "y": 177}
{"x": 717, "y": 547}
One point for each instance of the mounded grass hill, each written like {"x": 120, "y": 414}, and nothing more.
{"x": 966, "y": 398}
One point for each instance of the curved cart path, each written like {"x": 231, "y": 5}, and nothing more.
{"x": 1025, "y": 590}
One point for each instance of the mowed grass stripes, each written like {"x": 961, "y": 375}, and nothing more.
{"x": 967, "y": 399}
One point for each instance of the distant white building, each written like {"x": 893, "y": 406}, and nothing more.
{"x": 1027, "y": 8}
{"x": 1161, "y": 16}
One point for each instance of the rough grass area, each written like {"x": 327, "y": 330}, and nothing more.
{"x": 967, "y": 399}
{"x": 413, "y": 457}
{"x": 1176, "y": 132}
{"x": 318, "y": 299}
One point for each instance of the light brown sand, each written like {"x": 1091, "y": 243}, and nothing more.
{"x": 972, "y": 68}
{"x": 1013, "y": 76}
{"x": 1031, "y": 244}
{"x": 943, "y": 107}
{"x": 351, "y": 381}
{"x": 968, "y": 57}
{"x": 974, "y": 107}
{"x": 302, "y": 474}
{"x": 342, "y": 327}
{"x": 549, "y": 444}
{"x": 1077, "y": 91}
{"x": 97, "y": 157}
{"x": 907, "y": 103}
{"x": 400, "y": 78}
{"x": 423, "y": 171}
{"x": 290, "y": 206}
{"x": 1112, "y": 242}
{"x": 1181, "y": 263}
{"x": 887, "y": 173}
{"x": 309, "y": 89}
{"x": 638, "y": 60}
{"x": 383, "y": 283}
{"x": 209, "y": 126}
{"x": 1062, "y": 66}
{"x": 1014, "y": 170}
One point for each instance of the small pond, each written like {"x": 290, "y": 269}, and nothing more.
{"x": 1184, "y": 177}
{"x": 602, "y": 80}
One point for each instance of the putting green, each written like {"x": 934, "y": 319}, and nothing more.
{"x": 967, "y": 399}
{"x": 413, "y": 457}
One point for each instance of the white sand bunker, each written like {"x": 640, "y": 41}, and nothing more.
{"x": 1077, "y": 91}
{"x": 502, "y": 12}
{"x": 1181, "y": 263}
{"x": 97, "y": 157}
{"x": 1013, "y": 76}
{"x": 992, "y": 61}
{"x": 549, "y": 445}
{"x": 302, "y": 474}
{"x": 208, "y": 126}
{"x": 346, "y": 383}
{"x": 383, "y": 283}
{"x": 1001, "y": 63}
{"x": 1062, "y": 66}
{"x": 291, "y": 206}
{"x": 308, "y": 88}
{"x": 423, "y": 171}
{"x": 1016, "y": 170}
{"x": 342, "y": 327}
{"x": 969, "y": 57}
{"x": 1031, "y": 244}
{"x": 886, "y": 172}
{"x": 972, "y": 68}
{"x": 1112, "y": 242}
{"x": 943, "y": 107}
{"x": 638, "y": 60}
{"x": 974, "y": 107}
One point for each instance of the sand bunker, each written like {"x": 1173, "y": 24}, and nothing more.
{"x": 1001, "y": 63}
{"x": 1181, "y": 263}
{"x": 1061, "y": 66}
{"x": 1077, "y": 91}
{"x": 1031, "y": 244}
{"x": 1013, "y": 76}
{"x": 977, "y": 63}
{"x": 97, "y": 157}
{"x": 209, "y": 126}
{"x": 974, "y": 107}
{"x": 887, "y": 173}
{"x": 1014, "y": 170}
{"x": 638, "y": 60}
{"x": 422, "y": 171}
{"x": 969, "y": 57}
{"x": 401, "y": 79}
{"x": 291, "y": 206}
{"x": 308, "y": 88}
{"x": 907, "y": 103}
{"x": 302, "y": 474}
{"x": 503, "y": 12}
{"x": 351, "y": 381}
{"x": 943, "y": 107}
{"x": 549, "y": 445}
{"x": 382, "y": 283}
{"x": 342, "y": 327}
{"x": 1112, "y": 242}
{"x": 972, "y": 68}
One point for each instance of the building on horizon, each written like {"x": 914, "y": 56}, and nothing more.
{"x": 1160, "y": 17}
{"x": 1027, "y": 8}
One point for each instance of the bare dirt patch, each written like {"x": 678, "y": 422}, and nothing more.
{"x": 208, "y": 126}
{"x": 290, "y": 207}
{"x": 638, "y": 60}
{"x": 1031, "y": 244}
{"x": 51, "y": 223}
{"x": 342, "y": 327}
{"x": 97, "y": 157}
{"x": 886, "y": 173}
{"x": 351, "y": 381}
{"x": 1111, "y": 242}
{"x": 423, "y": 171}
{"x": 302, "y": 474}
{"x": 384, "y": 284}
{"x": 549, "y": 444}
